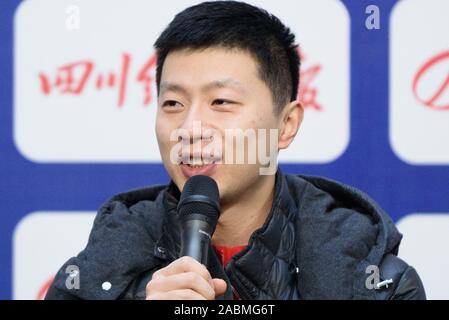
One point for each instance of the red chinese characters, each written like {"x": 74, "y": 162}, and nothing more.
{"x": 307, "y": 93}
{"x": 74, "y": 78}
{"x": 43, "y": 290}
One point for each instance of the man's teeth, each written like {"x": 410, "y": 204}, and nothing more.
{"x": 199, "y": 163}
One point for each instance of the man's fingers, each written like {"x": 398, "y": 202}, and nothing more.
{"x": 184, "y": 264}
{"x": 157, "y": 275}
{"x": 186, "y": 280}
{"x": 219, "y": 286}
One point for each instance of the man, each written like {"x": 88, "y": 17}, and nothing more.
{"x": 226, "y": 66}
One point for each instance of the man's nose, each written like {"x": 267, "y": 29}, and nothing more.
{"x": 194, "y": 123}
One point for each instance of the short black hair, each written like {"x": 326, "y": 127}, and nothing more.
{"x": 237, "y": 25}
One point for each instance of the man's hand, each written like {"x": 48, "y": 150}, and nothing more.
{"x": 184, "y": 279}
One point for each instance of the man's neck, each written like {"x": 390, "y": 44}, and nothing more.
{"x": 240, "y": 219}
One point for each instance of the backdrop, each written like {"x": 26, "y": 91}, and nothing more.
{"x": 77, "y": 111}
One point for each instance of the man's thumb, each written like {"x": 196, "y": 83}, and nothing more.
{"x": 219, "y": 286}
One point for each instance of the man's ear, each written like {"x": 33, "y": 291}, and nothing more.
{"x": 290, "y": 121}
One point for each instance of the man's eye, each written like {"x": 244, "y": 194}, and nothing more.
{"x": 221, "y": 102}
{"x": 170, "y": 103}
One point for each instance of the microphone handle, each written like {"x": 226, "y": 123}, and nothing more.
{"x": 195, "y": 239}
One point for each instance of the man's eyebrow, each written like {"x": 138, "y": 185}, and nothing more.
{"x": 222, "y": 83}
{"x": 170, "y": 86}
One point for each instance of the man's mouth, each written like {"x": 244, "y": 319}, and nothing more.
{"x": 196, "y": 163}
{"x": 193, "y": 167}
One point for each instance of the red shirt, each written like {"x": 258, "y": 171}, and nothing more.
{"x": 225, "y": 254}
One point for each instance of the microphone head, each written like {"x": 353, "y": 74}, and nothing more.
{"x": 200, "y": 195}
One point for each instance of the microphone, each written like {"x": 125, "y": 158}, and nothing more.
{"x": 198, "y": 210}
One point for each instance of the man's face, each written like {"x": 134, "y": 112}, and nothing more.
{"x": 212, "y": 90}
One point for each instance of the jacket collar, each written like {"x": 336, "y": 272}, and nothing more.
{"x": 266, "y": 269}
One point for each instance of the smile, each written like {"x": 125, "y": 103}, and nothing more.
{"x": 198, "y": 167}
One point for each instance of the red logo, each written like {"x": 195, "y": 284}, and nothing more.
{"x": 432, "y": 101}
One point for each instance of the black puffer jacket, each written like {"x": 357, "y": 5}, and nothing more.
{"x": 322, "y": 240}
